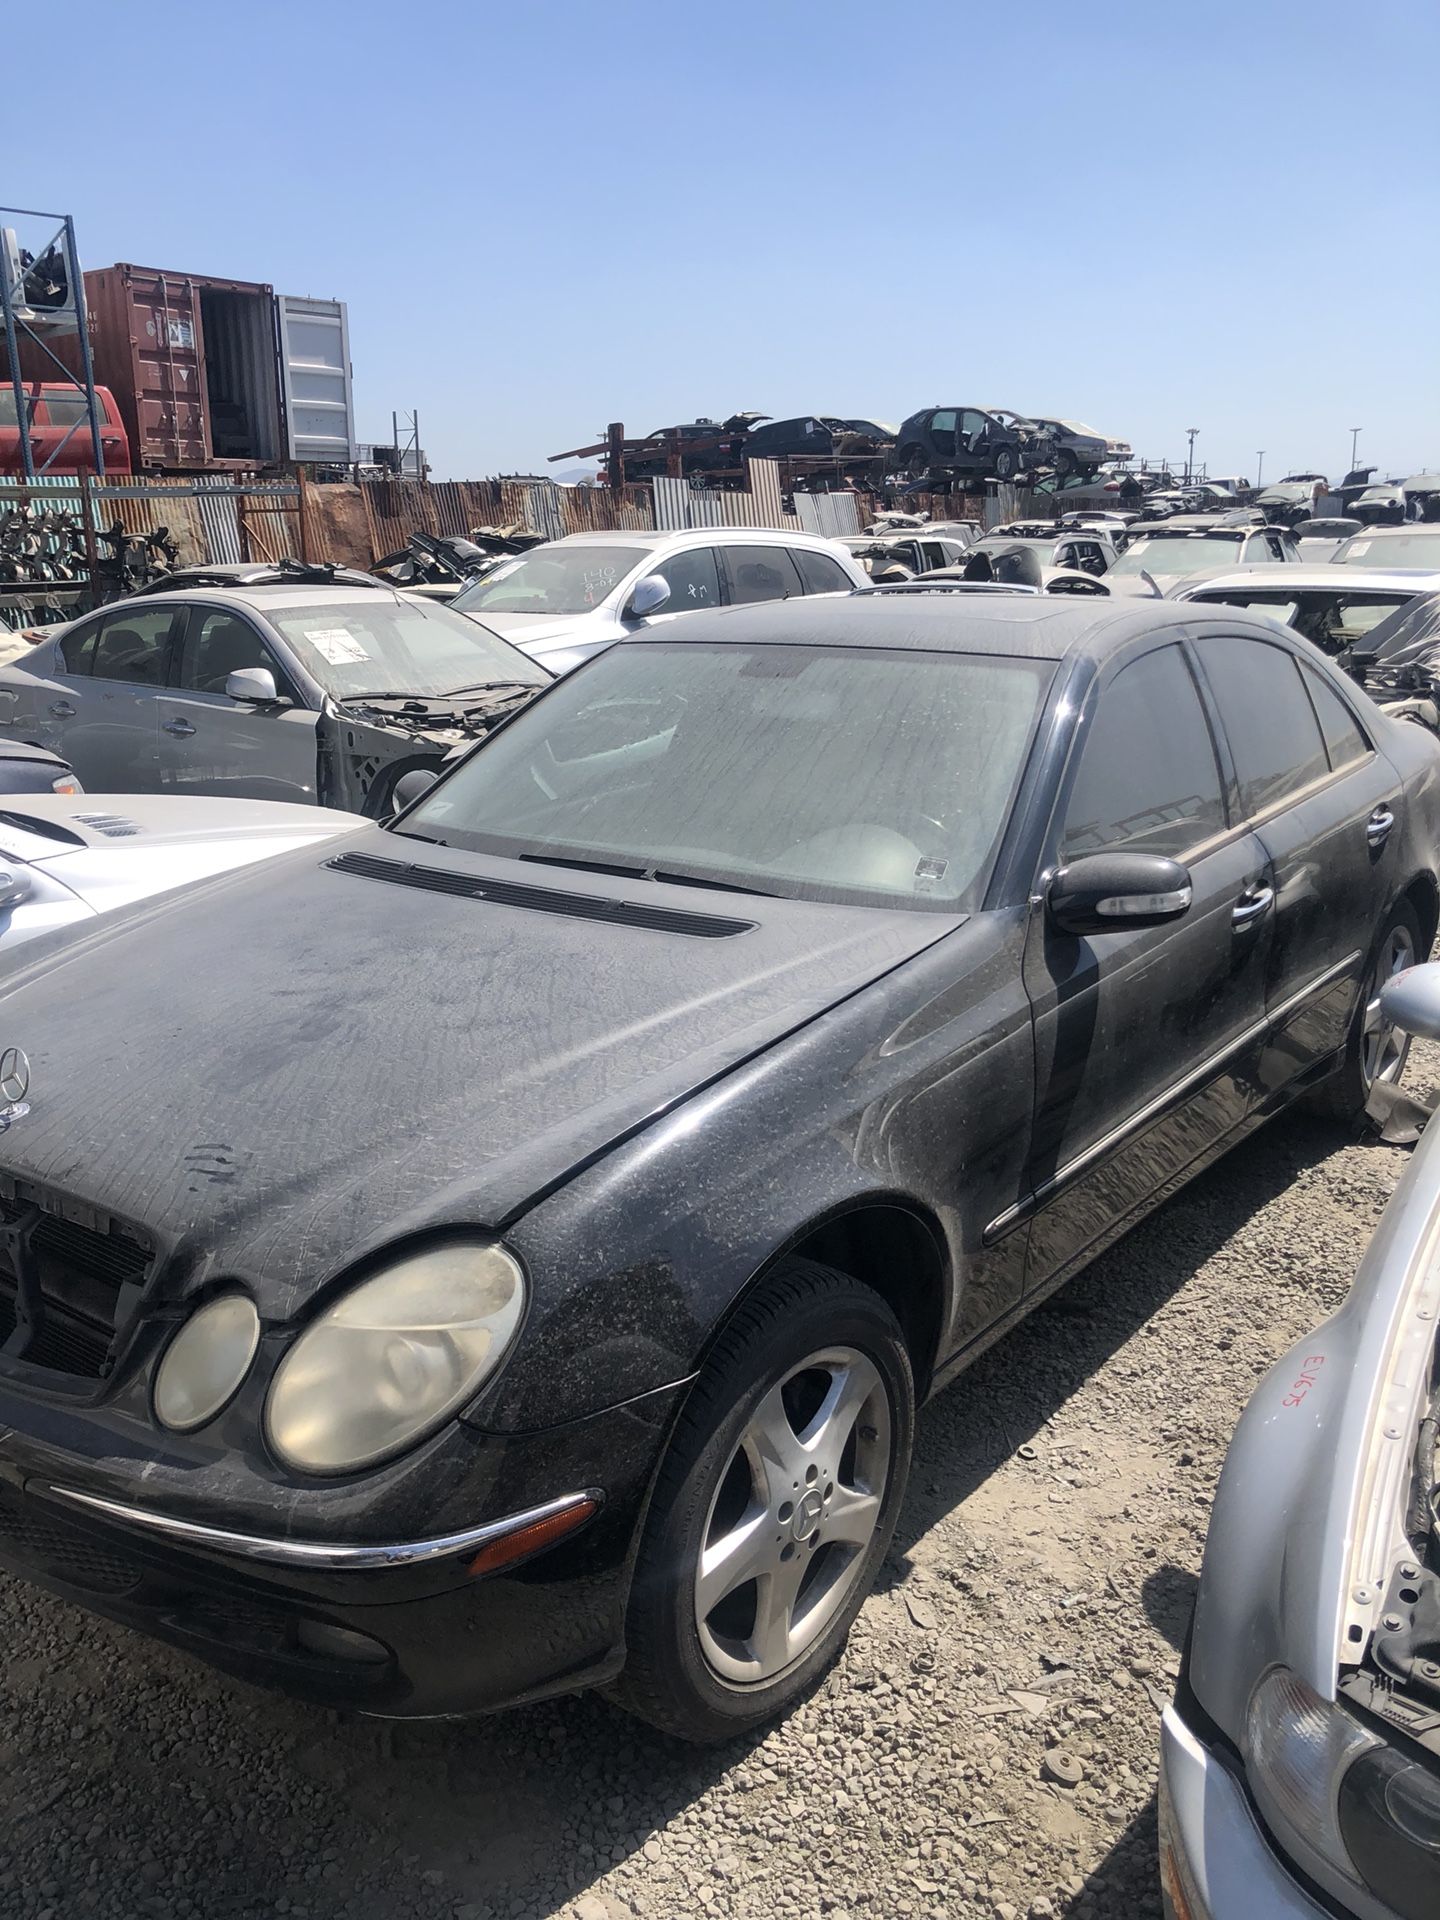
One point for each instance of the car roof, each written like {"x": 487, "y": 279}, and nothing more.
{"x": 1032, "y": 626}
{"x": 766, "y": 536}
{"x": 263, "y": 599}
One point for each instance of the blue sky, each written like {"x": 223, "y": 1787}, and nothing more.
{"x": 544, "y": 217}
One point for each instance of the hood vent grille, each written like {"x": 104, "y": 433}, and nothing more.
{"x": 509, "y": 893}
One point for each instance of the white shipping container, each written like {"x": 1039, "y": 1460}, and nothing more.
{"x": 315, "y": 372}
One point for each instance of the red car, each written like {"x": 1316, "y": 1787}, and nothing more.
{"x": 55, "y": 406}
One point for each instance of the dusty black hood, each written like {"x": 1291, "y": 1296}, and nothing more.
{"x": 296, "y": 1064}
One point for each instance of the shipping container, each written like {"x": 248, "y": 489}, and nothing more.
{"x": 315, "y": 377}
{"x": 191, "y": 361}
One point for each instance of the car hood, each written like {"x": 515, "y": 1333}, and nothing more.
{"x": 531, "y": 630}
{"x": 308, "y": 1063}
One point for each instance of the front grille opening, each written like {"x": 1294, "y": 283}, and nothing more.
{"x": 65, "y": 1553}
{"x": 64, "y": 1287}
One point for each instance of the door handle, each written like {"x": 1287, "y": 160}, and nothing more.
{"x": 179, "y": 727}
{"x": 1254, "y": 902}
{"x": 62, "y": 709}
{"x": 1377, "y": 827}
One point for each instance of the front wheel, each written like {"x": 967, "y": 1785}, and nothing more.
{"x": 1375, "y": 1049}
{"x": 1007, "y": 464}
{"x": 774, "y": 1507}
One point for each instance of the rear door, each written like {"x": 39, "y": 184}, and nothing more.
{"x": 757, "y": 573}
{"x": 1146, "y": 1041}
{"x": 1324, "y": 803}
{"x": 209, "y": 743}
{"x": 105, "y": 721}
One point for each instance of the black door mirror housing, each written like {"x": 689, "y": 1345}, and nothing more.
{"x": 1111, "y": 892}
{"x": 410, "y": 786}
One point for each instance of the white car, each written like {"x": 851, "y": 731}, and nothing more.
{"x": 64, "y": 860}
{"x": 1331, "y": 605}
{"x": 571, "y": 598}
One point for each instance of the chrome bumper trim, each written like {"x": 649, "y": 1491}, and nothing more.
{"x": 321, "y": 1553}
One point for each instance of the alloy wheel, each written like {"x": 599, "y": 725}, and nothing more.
{"x": 795, "y": 1509}
{"x": 1382, "y": 1045}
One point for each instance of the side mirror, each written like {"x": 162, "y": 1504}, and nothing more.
{"x": 1107, "y": 892}
{"x": 1411, "y": 1001}
{"x": 410, "y": 786}
{"x": 650, "y": 595}
{"x": 252, "y": 686}
{"x": 14, "y": 887}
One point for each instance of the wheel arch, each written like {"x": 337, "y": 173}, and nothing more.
{"x": 1423, "y": 895}
{"x": 889, "y": 1243}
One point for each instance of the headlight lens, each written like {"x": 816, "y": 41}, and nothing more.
{"x": 1296, "y": 1748}
{"x": 1390, "y": 1817}
{"x": 203, "y": 1366}
{"x": 394, "y": 1358}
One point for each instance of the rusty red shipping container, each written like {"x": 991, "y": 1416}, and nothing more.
{"x": 191, "y": 361}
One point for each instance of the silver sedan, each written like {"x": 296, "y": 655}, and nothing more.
{"x": 1300, "y": 1770}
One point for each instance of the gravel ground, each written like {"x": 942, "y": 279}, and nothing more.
{"x": 986, "y": 1748}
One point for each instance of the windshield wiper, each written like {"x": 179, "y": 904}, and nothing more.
{"x": 496, "y": 686}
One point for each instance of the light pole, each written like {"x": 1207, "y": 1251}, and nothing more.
{"x": 1354, "y": 436}
{"x": 1190, "y": 456}
{"x": 1259, "y": 464}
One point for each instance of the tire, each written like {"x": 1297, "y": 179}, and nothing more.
{"x": 1373, "y": 1049}
{"x": 795, "y": 1446}
{"x": 1063, "y": 463}
{"x": 914, "y": 464}
{"x": 1007, "y": 463}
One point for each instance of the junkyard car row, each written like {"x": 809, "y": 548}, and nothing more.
{"x": 695, "y": 1040}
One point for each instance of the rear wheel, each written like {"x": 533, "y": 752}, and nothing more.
{"x": 1007, "y": 463}
{"x": 774, "y": 1507}
{"x": 1063, "y": 462}
{"x": 1375, "y": 1049}
{"x": 914, "y": 464}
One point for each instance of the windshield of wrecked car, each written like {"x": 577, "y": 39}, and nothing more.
{"x": 815, "y": 773}
{"x": 379, "y": 645}
{"x": 1176, "y": 554}
{"x": 1398, "y": 549}
{"x": 554, "y": 580}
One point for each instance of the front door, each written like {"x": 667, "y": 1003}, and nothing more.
{"x": 104, "y": 721}
{"x": 209, "y": 743}
{"x": 1324, "y": 803}
{"x": 1146, "y": 1041}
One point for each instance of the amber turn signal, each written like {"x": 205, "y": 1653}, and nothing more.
{"x": 511, "y": 1547}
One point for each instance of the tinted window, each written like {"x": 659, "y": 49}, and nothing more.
{"x": 1273, "y": 732}
{"x": 760, "y": 573}
{"x": 1343, "y": 739}
{"x": 819, "y": 573}
{"x": 692, "y": 579}
{"x": 1148, "y": 777}
{"x": 134, "y": 646}
{"x": 77, "y": 649}
{"x": 219, "y": 644}
{"x": 68, "y": 409}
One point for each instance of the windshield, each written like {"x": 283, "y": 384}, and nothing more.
{"x": 380, "y": 645}
{"x": 1330, "y": 618}
{"x": 1410, "y": 631}
{"x": 1399, "y": 549}
{"x": 1176, "y": 554}
{"x": 810, "y": 772}
{"x": 555, "y": 580}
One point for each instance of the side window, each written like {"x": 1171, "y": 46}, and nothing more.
{"x": 819, "y": 573}
{"x": 219, "y": 644}
{"x": 943, "y": 421}
{"x": 77, "y": 649}
{"x": 134, "y": 646}
{"x": 934, "y": 554}
{"x": 68, "y": 409}
{"x": 972, "y": 424}
{"x": 1344, "y": 741}
{"x": 760, "y": 573}
{"x": 1272, "y": 728}
{"x": 693, "y": 579}
{"x": 1148, "y": 777}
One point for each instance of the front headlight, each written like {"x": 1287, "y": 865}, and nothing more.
{"x": 202, "y": 1368}
{"x": 1297, "y": 1746}
{"x": 394, "y": 1358}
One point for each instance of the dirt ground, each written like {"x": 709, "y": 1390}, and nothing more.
{"x": 1027, "y": 1627}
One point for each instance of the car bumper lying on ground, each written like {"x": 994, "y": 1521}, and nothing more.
{"x": 1215, "y": 1861}
{"x": 524, "y": 1603}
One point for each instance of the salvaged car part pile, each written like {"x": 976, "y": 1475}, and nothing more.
{"x": 46, "y": 547}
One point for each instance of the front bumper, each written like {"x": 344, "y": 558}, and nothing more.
{"x": 410, "y": 1627}
{"x": 1215, "y": 1862}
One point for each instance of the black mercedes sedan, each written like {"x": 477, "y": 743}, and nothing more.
{"x": 502, "y": 1252}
